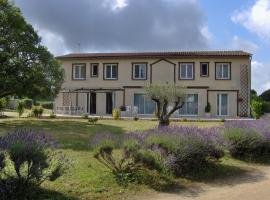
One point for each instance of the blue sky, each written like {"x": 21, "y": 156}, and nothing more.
{"x": 156, "y": 25}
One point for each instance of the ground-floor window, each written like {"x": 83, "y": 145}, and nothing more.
{"x": 222, "y": 104}
{"x": 144, "y": 104}
{"x": 191, "y": 105}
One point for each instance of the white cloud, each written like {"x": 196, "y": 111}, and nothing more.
{"x": 242, "y": 44}
{"x": 255, "y": 18}
{"x": 55, "y": 43}
{"x": 118, "y": 25}
{"x": 260, "y": 76}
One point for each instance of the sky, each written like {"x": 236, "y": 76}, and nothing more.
{"x": 71, "y": 26}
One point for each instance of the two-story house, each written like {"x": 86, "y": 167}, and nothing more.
{"x": 95, "y": 83}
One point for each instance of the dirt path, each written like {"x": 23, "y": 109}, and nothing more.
{"x": 254, "y": 185}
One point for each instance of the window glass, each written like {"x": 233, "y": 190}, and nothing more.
{"x": 191, "y": 105}
{"x": 94, "y": 70}
{"x": 79, "y": 71}
{"x": 222, "y": 104}
{"x": 139, "y": 71}
{"x": 114, "y": 71}
{"x": 204, "y": 69}
{"x": 183, "y": 71}
{"x": 144, "y": 104}
{"x": 108, "y": 71}
{"x": 189, "y": 71}
{"x": 111, "y": 71}
{"x": 223, "y": 71}
{"x": 186, "y": 71}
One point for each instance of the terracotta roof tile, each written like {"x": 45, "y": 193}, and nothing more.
{"x": 172, "y": 54}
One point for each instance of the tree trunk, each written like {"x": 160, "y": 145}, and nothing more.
{"x": 163, "y": 122}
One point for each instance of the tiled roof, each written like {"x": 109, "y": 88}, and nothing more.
{"x": 175, "y": 54}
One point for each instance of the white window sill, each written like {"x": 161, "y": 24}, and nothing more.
{"x": 79, "y": 78}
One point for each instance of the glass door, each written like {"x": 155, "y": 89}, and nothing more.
{"x": 222, "y": 104}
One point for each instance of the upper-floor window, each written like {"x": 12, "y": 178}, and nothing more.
{"x": 94, "y": 70}
{"x": 111, "y": 71}
{"x": 186, "y": 71}
{"x": 223, "y": 71}
{"x": 79, "y": 71}
{"x": 204, "y": 69}
{"x": 139, "y": 71}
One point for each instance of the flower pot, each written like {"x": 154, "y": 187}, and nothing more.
{"x": 207, "y": 115}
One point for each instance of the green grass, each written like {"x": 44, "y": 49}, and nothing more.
{"x": 88, "y": 179}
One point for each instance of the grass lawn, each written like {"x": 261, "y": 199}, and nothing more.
{"x": 88, "y": 179}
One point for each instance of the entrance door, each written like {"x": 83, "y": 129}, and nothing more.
{"x": 109, "y": 102}
{"x": 93, "y": 103}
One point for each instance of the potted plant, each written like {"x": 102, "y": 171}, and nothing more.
{"x": 123, "y": 110}
{"x": 208, "y": 110}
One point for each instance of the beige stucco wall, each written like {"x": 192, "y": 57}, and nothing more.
{"x": 161, "y": 72}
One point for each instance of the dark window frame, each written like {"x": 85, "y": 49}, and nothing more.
{"x": 132, "y": 69}
{"x": 104, "y": 72}
{"x": 201, "y": 64}
{"x": 91, "y": 70}
{"x": 73, "y": 74}
{"x": 193, "y": 71}
{"x": 230, "y": 71}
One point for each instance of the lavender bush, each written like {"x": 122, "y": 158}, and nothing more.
{"x": 180, "y": 150}
{"x": 184, "y": 149}
{"x": 33, "y": 160}
{"x": 249, "y": 140}
{"x": 128, "y": 162}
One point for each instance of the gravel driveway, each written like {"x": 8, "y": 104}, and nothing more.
{"x": 253, "y": 185}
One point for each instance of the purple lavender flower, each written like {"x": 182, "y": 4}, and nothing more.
{"x": 28, "y": 137}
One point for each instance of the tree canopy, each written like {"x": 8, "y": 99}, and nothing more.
{"x": 165, "y": 96}
{"x": 27, "y": 68}
{"x": 265, "y": 96}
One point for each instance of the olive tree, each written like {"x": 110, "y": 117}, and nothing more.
{"x": 164, "y": 96}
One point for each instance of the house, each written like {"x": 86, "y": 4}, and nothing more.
{"x": 95, "y": 83}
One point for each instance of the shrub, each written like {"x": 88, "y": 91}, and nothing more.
{"x": 125, "y": 165}
{"x": 123, "y": 108}
{"x": 47, "y": 105}
{"x": 248, "y": 140}
{"x": 266, "y": 107}
{"x": 116, "y": 114}
{"x": 85, "y": 116}
{"x": 208, "y": 108}
{"x": 247, "y": 144}
{"x": 184, "y": 150}
{"x": 28, "y": 103}
{"x": 93, "y": 120}
{"x": 135, "y": 118}
{"x": 20, "y": 108}
{"x": 256, "y": 107}
{"x": 3, "y": 104}
{"x": 33, "y": 160}
{"x": 52, "y": 116}
{"x": 184, "y": 120}
{"x": 37, "y": 111}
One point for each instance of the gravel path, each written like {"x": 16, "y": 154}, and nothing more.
{"x": 254, "y": 185}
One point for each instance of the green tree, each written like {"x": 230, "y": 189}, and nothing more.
{"x": 257, "y": 109}
{"x": 254, "y": 95}
{"x": 265, "y": 96}
{"x": 3, "y": 104}
{"x": 20, "y": 108}
{"x": 165, "y": 96}
{"x": 26, "y": 67}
